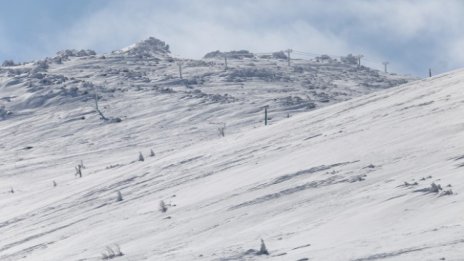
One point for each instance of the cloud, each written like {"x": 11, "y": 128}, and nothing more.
{"x": 455, "y": 53}
{"x": 412, "y": 35}
{"x": 193, "y": 29}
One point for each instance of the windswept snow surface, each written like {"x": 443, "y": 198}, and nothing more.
{"x": 350, "y": 181}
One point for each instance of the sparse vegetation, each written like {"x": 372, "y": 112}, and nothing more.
{"x": 114, "y": 166}
{"x": 349, "y": 59}
{"x": 407, "y": 184}
{"x": 424, "y": 178}
{"x": 119, "y": 196}
{"x": 7, "y": 63}
{"x": 82, "y": 164}
{"x": 263, "y": 249}
{"x": 279, "y": 55}
{"x": 222, "y": 130}
{"x": 112, "y": 252}
{"x": 162, "y": 207}
{"x": 447, "y": 192}
{"x": 78, "y": 171}
{"x": 435, "y": 188}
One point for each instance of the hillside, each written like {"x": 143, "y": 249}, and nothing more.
{"x": 334, "y": 177}
{"x": 243, "y": 87}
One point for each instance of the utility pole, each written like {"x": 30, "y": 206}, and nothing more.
{"x": 359, "y": 59}
{"x": 225, "y": 59}
{"x": 385, "y": 66}
{"x": 430, "y": 72}
{"x": 265, "y": 114}
{"x": 179, "y": 63}
{"x": 289, "y": 51}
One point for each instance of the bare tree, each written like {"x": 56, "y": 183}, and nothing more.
{"x": 96, "y": 104}
{"x": 222, "y": 130}
{"x": 78, "y": 171}
{"x": 82, "y": 164}
{"x": 97, "y": 109}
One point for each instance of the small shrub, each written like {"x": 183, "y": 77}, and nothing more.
{"x": 163, "y": 208}
{"x": 222, "y": 131}
{"x": 112, "y": 252}
{"x": 279, "y": 55}
{"x": 349, "y": 59}
{"x": 407, "y": 184}
{"x": 447, "y": 192}
{"x": 113, "y": 166}
{"x": 263, "y": 249}
{"x": 434, "y": 188}
{"x": 115, "y": 120}
{"x": 8, "y": 63}
{"x": 119, "y": 197}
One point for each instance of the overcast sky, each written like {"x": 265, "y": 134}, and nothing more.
{"x": 411, "y": 35}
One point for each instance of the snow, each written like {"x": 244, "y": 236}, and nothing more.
{"x": 324, "y": 184}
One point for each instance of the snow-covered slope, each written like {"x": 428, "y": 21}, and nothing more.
{"x": 248, "y": 82}
{"x": 350, "y": 181}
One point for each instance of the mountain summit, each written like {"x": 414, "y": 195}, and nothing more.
{"x": 150, "y": 47}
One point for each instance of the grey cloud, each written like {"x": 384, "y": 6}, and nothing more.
{"x": 411, "y": 34}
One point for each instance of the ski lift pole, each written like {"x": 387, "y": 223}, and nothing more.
{"x": 265, "y": 114}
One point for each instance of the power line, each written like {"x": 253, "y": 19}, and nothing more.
{"x": 374, "y": 63}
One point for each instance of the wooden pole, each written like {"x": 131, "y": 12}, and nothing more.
{"x": 289, "y": 51}
{"x": 225, "y": 60}
{"x": 385, "y": 66}
{"x": 265, "y": 115}
{"x": 180, "y": 69}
